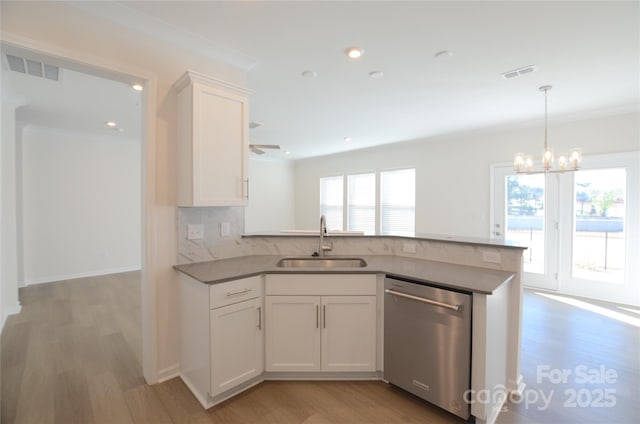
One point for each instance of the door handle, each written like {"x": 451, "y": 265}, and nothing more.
{"x": 259, "y": 317}
{"x": 324, "y": 316}
{"x": 317, "y": 316}
{"x": 423, "y": 300}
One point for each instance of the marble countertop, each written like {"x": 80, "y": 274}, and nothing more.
{"x": 461, "y": 277}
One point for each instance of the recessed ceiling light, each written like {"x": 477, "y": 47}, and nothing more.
{"x": 110, "y": 124}
{"x": 376, "y": 74}
{"x": 309, "y": 74}
{"x": 287, "y": 152}
{"x": 443, "y": 54}
{"x": 354, "y": 52}
{"x": 137, "y": 87}
{"x": 347, "y": 139}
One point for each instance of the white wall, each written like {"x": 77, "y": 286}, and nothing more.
{"x": 80, "y": 205}
{"x": 271, "y": 202}
{"x": 452, "y": 173}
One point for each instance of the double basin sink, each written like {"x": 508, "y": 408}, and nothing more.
{"x": 321, "y": 262}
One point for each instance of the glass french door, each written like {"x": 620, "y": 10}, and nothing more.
{"x": 525, "y": 212}
{"x": 601, "y": 253}
{"x": 582, "y": 228}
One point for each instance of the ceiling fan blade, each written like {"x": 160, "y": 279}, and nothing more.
{"x": 265, "y": 146}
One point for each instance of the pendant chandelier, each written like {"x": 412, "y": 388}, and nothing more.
{"x": 524, "y": 164}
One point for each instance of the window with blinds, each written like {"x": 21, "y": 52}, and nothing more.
{"x": 398, "y": 202}
{"x": 361, "y": 203}
{"x": 331, "y": 201}
{"x": 351, "y": 203}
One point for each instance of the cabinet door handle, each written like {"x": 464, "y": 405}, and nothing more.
{"x": 317, "y": 316}
{"x": 324, "y": 316}
{"x": 246, "y": 181}
{"x": 259, "y": 317}
{"x": 237, "y": 292}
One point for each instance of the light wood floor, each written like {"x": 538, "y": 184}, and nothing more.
{"x": 73, "y": 355}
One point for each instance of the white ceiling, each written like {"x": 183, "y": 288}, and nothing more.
{"x": 589, "y": 51}
{"x": 78, "y": 102}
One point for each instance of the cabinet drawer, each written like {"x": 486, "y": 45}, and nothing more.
{"x": 235, "y": 291}
{"x": 320, "y": 284}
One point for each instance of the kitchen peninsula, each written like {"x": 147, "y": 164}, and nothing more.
{"x": 252, "y": 284}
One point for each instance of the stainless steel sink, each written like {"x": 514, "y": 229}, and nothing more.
{"x": 317, "y": 262}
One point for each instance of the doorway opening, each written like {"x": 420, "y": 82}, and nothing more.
{"x": 147, "y": 164}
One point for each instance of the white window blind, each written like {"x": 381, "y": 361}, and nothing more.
{"x": 331, "y": 201}
{"x": 398, "y": 202}
{"x": 361, "y": 203}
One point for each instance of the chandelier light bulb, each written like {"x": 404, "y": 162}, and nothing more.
{"x": 528, "y": 162}
{"x": 562, "y": 162}
{"x": 575, "y": 157}
{"x": 518, "y": 161}
{"x": 547, "y": 158}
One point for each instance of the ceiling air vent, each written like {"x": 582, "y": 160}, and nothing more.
{"x": 519, "y": 72}
{"x": 32, "y": 67}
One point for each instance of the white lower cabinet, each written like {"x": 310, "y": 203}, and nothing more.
{"x": 348, "y": 333}
{"x": 336, "y": 332}
{"x": 309, "y": 323}
{"x": 293, "y": 333}
{"x": 221, "y": 335}
{"x": 236, "y": 344}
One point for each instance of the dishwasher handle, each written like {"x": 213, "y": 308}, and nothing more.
{"x": 423, "y": 300}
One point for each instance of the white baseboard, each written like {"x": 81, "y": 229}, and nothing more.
{"x": 519, "y": 387}
{"x": 10, "y": 310}
{"x": 52, "y": 278}
{"x": 168, "y": 373}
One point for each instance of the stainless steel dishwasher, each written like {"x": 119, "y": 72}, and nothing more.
{"x": 427, "y": 342}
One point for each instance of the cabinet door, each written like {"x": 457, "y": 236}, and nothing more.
{"x": 292, "y": 333}
{"x": 220, "y": 146}
{"x": 348, "y": 333}
{"x": 236, "y": 344}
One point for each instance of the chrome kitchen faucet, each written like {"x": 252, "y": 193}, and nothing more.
{"x": 322, "y": 246}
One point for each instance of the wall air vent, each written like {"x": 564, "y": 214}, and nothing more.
{"x": 519, "y": 72}
{"x": 32, "y": 67}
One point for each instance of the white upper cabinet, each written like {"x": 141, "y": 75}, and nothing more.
{"x": 213, "y": 142}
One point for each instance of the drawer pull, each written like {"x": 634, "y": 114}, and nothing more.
{"x": 237, "y": 292}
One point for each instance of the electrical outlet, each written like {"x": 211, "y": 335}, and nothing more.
{"x": 409, "y": 248}
{"x": 225, "y": 229}
{"x": 493, "y": 257}
{"x": 195, "y": 231}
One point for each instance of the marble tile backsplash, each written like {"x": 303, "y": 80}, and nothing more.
{"x": 460, "y": 253}
{"x": 305, "y": 246}
{"x": 214, "y": 246}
